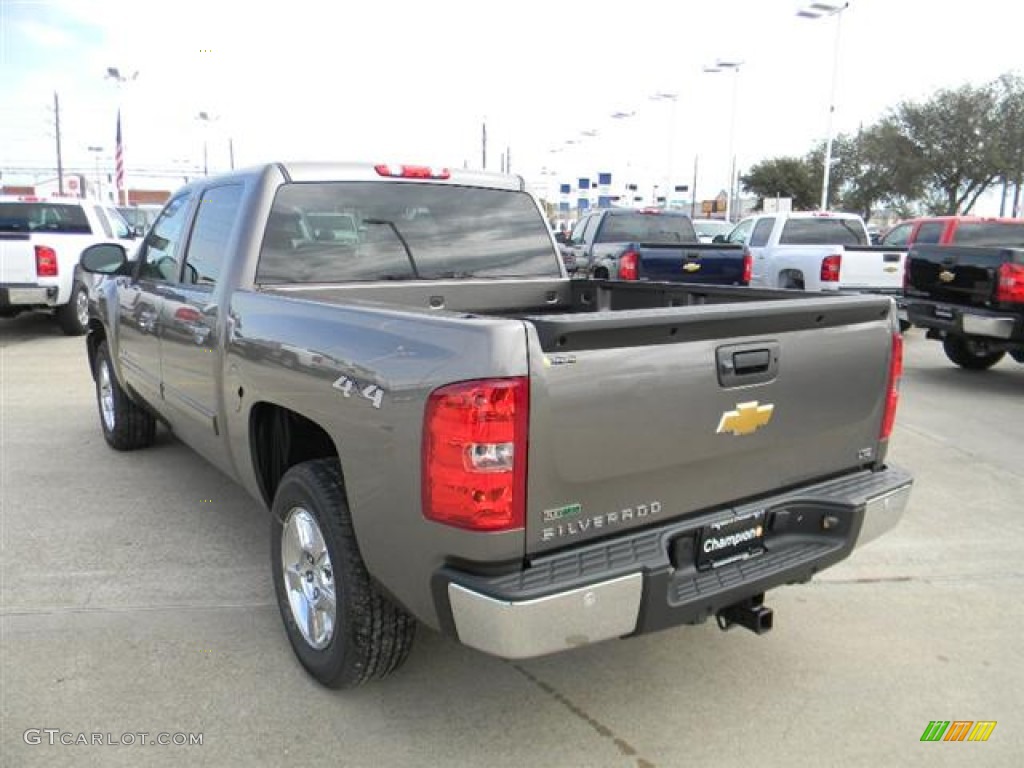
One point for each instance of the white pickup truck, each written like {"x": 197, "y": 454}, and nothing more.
{"x": 818, "y": 252}
{"x": 41, "y": 240}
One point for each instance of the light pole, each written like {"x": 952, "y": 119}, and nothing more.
{"x": 819, "y": 11}
{"x": 115, "y": 74}
{"x": 99, "y": 185}
{"x": 723, "y": 65}
{"x": 674, "y": 99}
{"x": 206, "y": 118}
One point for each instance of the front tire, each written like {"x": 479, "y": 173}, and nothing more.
{"x": 73, "y": 317}
{"x": 970, "y": 354}
{"x": 342, "y": 629}
{"x": 126, "y": 425}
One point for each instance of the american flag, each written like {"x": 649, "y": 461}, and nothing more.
{"x": 119, "y": 158}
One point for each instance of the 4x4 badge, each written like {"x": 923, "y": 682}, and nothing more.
{"x": 746, "y": 419}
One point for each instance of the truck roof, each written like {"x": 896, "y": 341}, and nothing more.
{"x": 311, "y": 171}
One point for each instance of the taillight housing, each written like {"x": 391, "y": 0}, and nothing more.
{"x": 748, "y": 266}
{"x": 830, "y": 267}
{"x": 1010, "y": 283}
{"x": 46, "y": 261}
{"x": 629, "y": 266}
{"x": 474, "y": 454}
{"x": 892, "y": 390}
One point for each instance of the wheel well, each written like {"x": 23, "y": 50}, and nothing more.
{"x": 791, "y": 278}
{"x": 279, "y": 439}
{"x": 95, "y": 335}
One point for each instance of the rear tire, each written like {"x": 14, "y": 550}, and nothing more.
{"x": 969, "y": 354}
{"x": 73, "y": 317}
{"x": 126, "y": 425}
{"x": 342, "y": 629}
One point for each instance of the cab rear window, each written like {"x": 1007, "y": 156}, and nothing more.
{"x": 43, "y": 217}
{"x": 823, "y": 232}
{"x": 1008, "y": 234}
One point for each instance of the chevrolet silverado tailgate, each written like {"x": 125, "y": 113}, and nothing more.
{"x": 957, "y": 274}
{"x": 718, "y": 264}
{"x": 17, "y": 258}
{"x": 868, "y": 267}
{"x": 641, "y": 416}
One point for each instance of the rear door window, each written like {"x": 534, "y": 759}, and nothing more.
{"x": 215, "y": 223}
{"x": 762, "y": 231}
{"x": 930, "y": 233}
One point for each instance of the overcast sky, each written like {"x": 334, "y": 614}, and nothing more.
{"x": 413, "y": 81}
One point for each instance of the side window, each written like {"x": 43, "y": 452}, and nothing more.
{"x": 741, "y": 232}
{"x": 579, "y": 231}
{"x": 215, "y": 221}
{"x": 103, "y": 221}
{"x": 898, "y": 236}
{"x": 118, "y": 224}
{"x": 160, "y": 254}
{"x": 762, "y": 231}
{"x": 930, "y": 233}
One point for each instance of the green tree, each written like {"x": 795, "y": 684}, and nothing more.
{"x": 782, "y": 177}
{"x": 1010, "y": 136}
{"x": 948, "y": 146}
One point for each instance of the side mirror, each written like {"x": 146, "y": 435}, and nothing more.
{"x": 105, "y": 259}
{"x": 719, "y": 239}
{"x": 562, "y": 238}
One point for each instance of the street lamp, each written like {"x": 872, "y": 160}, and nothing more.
{"x": 819, "y": 11}
{"x": 99, "y": 185}
{"x": 723, "y": 65}
{"x": 206, "y": 118}
{"x": 674, "y": 99}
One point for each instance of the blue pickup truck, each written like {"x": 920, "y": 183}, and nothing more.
{"x": 651, "y": 244}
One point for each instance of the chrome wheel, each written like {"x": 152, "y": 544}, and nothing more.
{"x": 308, "y": 578}
{"x": 81, "y": 299}
{"x": 106, "y": 397}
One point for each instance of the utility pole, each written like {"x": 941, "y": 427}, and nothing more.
{"x": 484, "y": 145}
{"x": 231, "y": 152}
{"x": 60, "y": 162}
{"x": 693, "y": 193}
{"x": 508, "y": 159}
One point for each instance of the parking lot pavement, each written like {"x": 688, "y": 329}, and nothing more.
{"x": 135, "y": 597}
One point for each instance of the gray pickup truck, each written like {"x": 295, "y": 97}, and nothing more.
{"x": 448, "y": 430}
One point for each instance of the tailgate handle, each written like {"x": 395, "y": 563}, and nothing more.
{"x": 751, "y": 362}
{"x": 891, "y": 257}
{"x": 746, "y": 364}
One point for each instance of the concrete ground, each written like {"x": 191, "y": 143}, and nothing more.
{"x": 135, "y": 597}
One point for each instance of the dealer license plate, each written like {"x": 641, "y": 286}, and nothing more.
{"x": 26, "y": 295}
{"x": 731, "y": 540}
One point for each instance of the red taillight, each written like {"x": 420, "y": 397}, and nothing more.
{"x": 474, "y": 454}
{"x": 187, "y": 315}
{"x": 892, "y": 392}
{"x": 412, "y": 171}
{"x": 830, "y": 267}
{"x": 748, "y": 266}
{"x": 1010, "y": 283}
{"x": 46, "y": 261}
{"x": 629, "y": 266}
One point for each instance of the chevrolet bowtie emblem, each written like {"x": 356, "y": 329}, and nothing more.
{"x": 691, "y": 266}
{"x": 946, "y": 276}
{"x": 746, "y": 419}
{"x": 890, "y": 269}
